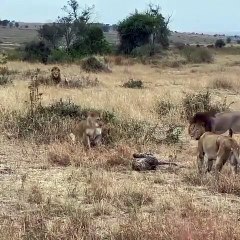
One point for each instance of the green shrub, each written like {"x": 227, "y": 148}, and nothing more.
{"x": 146, "y": 50}
{"x": 133, "y": 84}
{"x": 36, "y": 51}
{"x": 5, "y": 80}
{"x": 92, "y": 42}
{"x": 201, "y": 102}
{"x": 163, "y": 108}
{"x": 3, "y": 58}
{"x": 59, "y": 56}
{"x": 6, "y": 71}
{"x": 173, "y": 134}
{"x": 197, "y": 55}
{"x": 220, "y": 43}
{"x": 15, "y": 54}
{"x": 229, "y": 40}
{"x": 135, "y": 30}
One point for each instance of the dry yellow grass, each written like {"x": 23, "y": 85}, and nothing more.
{"x": 98, "y": 196}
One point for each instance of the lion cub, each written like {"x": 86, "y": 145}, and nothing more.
{"x": 89, "y": 130}
{"x": 220, "y": 148}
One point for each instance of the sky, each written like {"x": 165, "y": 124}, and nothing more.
{"x": 207, "y": 16}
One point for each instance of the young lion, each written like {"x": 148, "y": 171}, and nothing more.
{"x": 89, "y": 130}
{"x": 220, "y": 148}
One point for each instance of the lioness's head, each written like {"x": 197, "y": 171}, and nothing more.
{"x": 196, "y": 130}
{"x": 95, "y": 118}
{"x": 55, "y": 72}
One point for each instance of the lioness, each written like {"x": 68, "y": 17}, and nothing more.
{"x": 215, "y": 147}
{"x": 89, "y": 130}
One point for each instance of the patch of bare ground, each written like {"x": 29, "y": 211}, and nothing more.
{"x": 57, "y": 190}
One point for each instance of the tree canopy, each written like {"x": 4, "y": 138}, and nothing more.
{"x": 141, "y": 28}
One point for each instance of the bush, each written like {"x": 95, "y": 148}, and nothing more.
{"x": 135, "y": 30}
{"x": 229, "y": 40}
{"x": 3, "y": 59}
{"x": 80, "y": 82}
{"x": 7, "y": 71}
{"x": 197, "y": 55}
{"x": 163, "y": 108}
{"x": 4, "y": 76}
{"x": 220, "y": 43}
{"x": 179, "y": 45}
{"x": 146, "y": 50}
{"x": 45, "y": 124}
{"x": 95, "y": 65}
{"x": 61, "y": 56}
{"x": 36, "y": 51}
{"x": 93, "y": 42}
{"x": 5, "y": 80}
{"x": 4, "y": 71}
{"x": 15, "y": 54}
{"x": 222, "y": 83}
{"x": 238, "y": 41}
{"x": 201, "y": 102}
{"x": 133, "y": 84}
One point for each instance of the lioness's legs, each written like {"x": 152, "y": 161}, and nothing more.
{"x": 230, "y": 132}
{"x": 86, "y": 141}
{"x": 97, "y": 141}
{"x": 220, "y": 161}
{"x": 234, "y": 163}
{"x": 209, "y": 165}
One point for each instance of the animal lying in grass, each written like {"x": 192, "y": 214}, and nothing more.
{"x": 215, "y": 147}
{"x": 217, "y": 123}
{"x": 56, "y": 75}
{"x": 89, "y": 131}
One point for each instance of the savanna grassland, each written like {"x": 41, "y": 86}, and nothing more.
{"x": 56, "y": 190}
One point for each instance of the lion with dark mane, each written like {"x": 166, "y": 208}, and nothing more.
{"x": 56, "y": 75}
{"x": 218, "y": 123}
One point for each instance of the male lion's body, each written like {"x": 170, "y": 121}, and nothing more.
{"x": 220, "y": 148}
{"x": 218, "y": 122}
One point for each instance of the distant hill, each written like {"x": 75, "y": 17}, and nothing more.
{"x": 34, "y": 26}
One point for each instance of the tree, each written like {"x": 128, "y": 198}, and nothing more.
{"x": 229, "y": 40}
{"x": 161, "y": 31}
{"x": 5, "y": 22}
{"x": 37, "y": 51}
{"x": 16, "y": 24}
{"x": 137, "y": 30}
{"x": 11, "y": 24}
{"x": 105, "y": 27}
{"x": 220, "y": 43}
{"x": 52, "y": 34}
{"x": 93, "y": 42}
{"x": 74, "y": 23}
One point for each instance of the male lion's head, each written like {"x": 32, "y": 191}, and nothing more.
{"x": 196, "y": 130}
{"x": 56, "y": 75}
